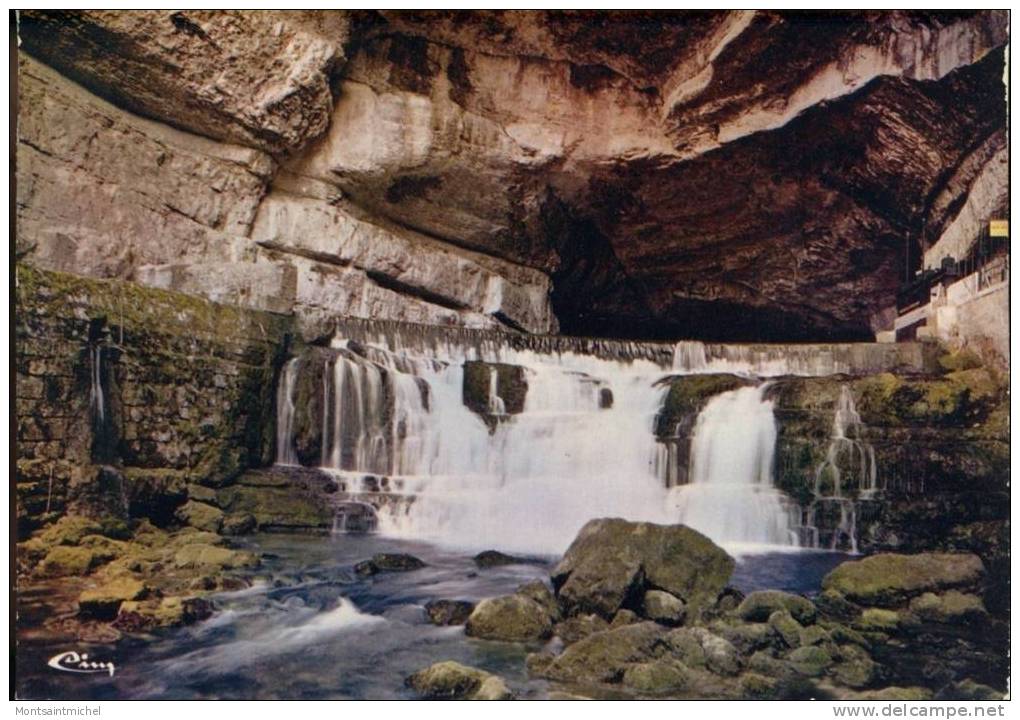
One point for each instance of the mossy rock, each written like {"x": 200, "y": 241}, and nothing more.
{"x": 604, "y": 656}
{"x": 855, "y": 669}
{"x": 103, "y": 602}
{"x": 658, "y": 677}
{"x": 448, "y": 612}
{"x": 760, "y": 604}
{"x": 578, "y": 627}
{"x": 757, "y": 687}
{"x": 513, "y": 618}
{"x": 879, "y": 620}
{"x": 786, "y": 627}
{"x": 68, "y": 560}
{"x": 959, "y": 398}
{"x": 388, "y": 562}
{"x": 889, "y": 579}
{"x": 200, "y": 515}
{"x": 663, "y": 608}
{"x": 687, "y": 395}
{"x": 452, "y": 681}
{"x": 908, "y": 694}
{"x": 952, "y": 606}
{"x": 613, "y": 560}
{"x": 200, "y": 556}
{"x": 174, "y": 611}
{"x": 811, "y": 661}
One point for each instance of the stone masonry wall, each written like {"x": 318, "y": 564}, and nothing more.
{"x": 187, "y": 389}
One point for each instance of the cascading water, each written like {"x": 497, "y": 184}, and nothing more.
{"x": 97, "y": 401}
{"x": 285, "y": 454}
{"x": 731, "y": 497}
{"x": 525, "y": 475}
{"x": 849, "y": 472}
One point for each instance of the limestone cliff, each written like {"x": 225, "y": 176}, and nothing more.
{"x": 728, "y": 175}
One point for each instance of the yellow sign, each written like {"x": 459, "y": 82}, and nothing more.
{"x": 998, "y": 228}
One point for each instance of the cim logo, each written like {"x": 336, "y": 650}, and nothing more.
{"x": 72, "y": 662}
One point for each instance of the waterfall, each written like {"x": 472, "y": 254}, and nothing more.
{"x": 97, "y": 401}
{"x": 731, "y": 496}
{"x": 285, "y": 454}
{"x": 848, "y": 472}
{"x": 557, "y": 431}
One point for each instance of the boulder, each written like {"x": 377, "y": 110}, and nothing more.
{"x": 494, "y": 558}
{"x": 613, "y": 562}
{"x": 811, "y": 661}
{"x": 205, "y": 557}
{"x": 856, "y": 669}
{"x": 448, "y": 612}
{"x": 604, "y": 656}
{"x": 452, "y": 681}
{"x": 142, "y": 616}
{"x": 663, "y": 608}
{"x": 759, "y": 605}
{"x": 580, "y": 626}
{"x": 949, "y": 607}
{"x": 238, "y": 524}
{"x": 889, "y": 579}
{"x": 786, "y": 627}
{"x": 514, "y": 618}
{"x": 388, "y": 562}
{"x": 103, "y": 602}
{"x": 200, "y": 515}
{"x": 539, "y": 592}
{"x": 67, "y": 560}
{"x": 658, "y": 677}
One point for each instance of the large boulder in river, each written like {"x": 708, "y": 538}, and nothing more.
{"x": 613, "y": 562}
{"x": 514, "y": 618}
{"x": 889, "y": 579}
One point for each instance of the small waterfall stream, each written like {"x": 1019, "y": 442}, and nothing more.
{"x": 97, "y": 399}
{"x": 731, "y": 496}
{"x": 525, "y": 476}
{"x": 849, "y": 472}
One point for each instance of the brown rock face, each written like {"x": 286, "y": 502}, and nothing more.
{"x": 723, "y": 175}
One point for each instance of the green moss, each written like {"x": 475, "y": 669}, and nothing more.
{"x": 959, "y": 398}
{"x": 888, "y": 579}
{"x": 687, "y": 395}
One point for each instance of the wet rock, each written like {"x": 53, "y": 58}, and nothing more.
{"x": 512, "y": 618}
{"x": 103, "y": 602}
{"x": 604, "y": 656}
{"x": 624, "y": 617}
{"x": 811, "y": 661}
{"x": 200, "y": 556}
{"x": 164, "y": 612}
{"x": 388, "y": 562}
{"x": 452, "y": 681}
{"x": 759, "y": 605}
{"x": 856, "y": 669}
{"x": 238, "y": 524}
{"x": 448, "y": 612}
{"x": 879, "y": 620}
{"x": 657, "y": 677}
{"x": 747, "y": 638}
{"x": 663, "y": 608}
{"x": 200, "y": 515}
{"x": 889, "y": 579}
{"x": 494, "y": 558}
{"x": 949, "y": 607}
{"x": 834, "y": 605}
{"x": 758, "y": 687}
{"x": 539, "y": 592}
{"x": 612, "y": 562}
{"x": 786, "y": 627}
{"x": 537, "y": 662}
{"x": 579, "y": 626}
{"x": 511, "y": 386}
